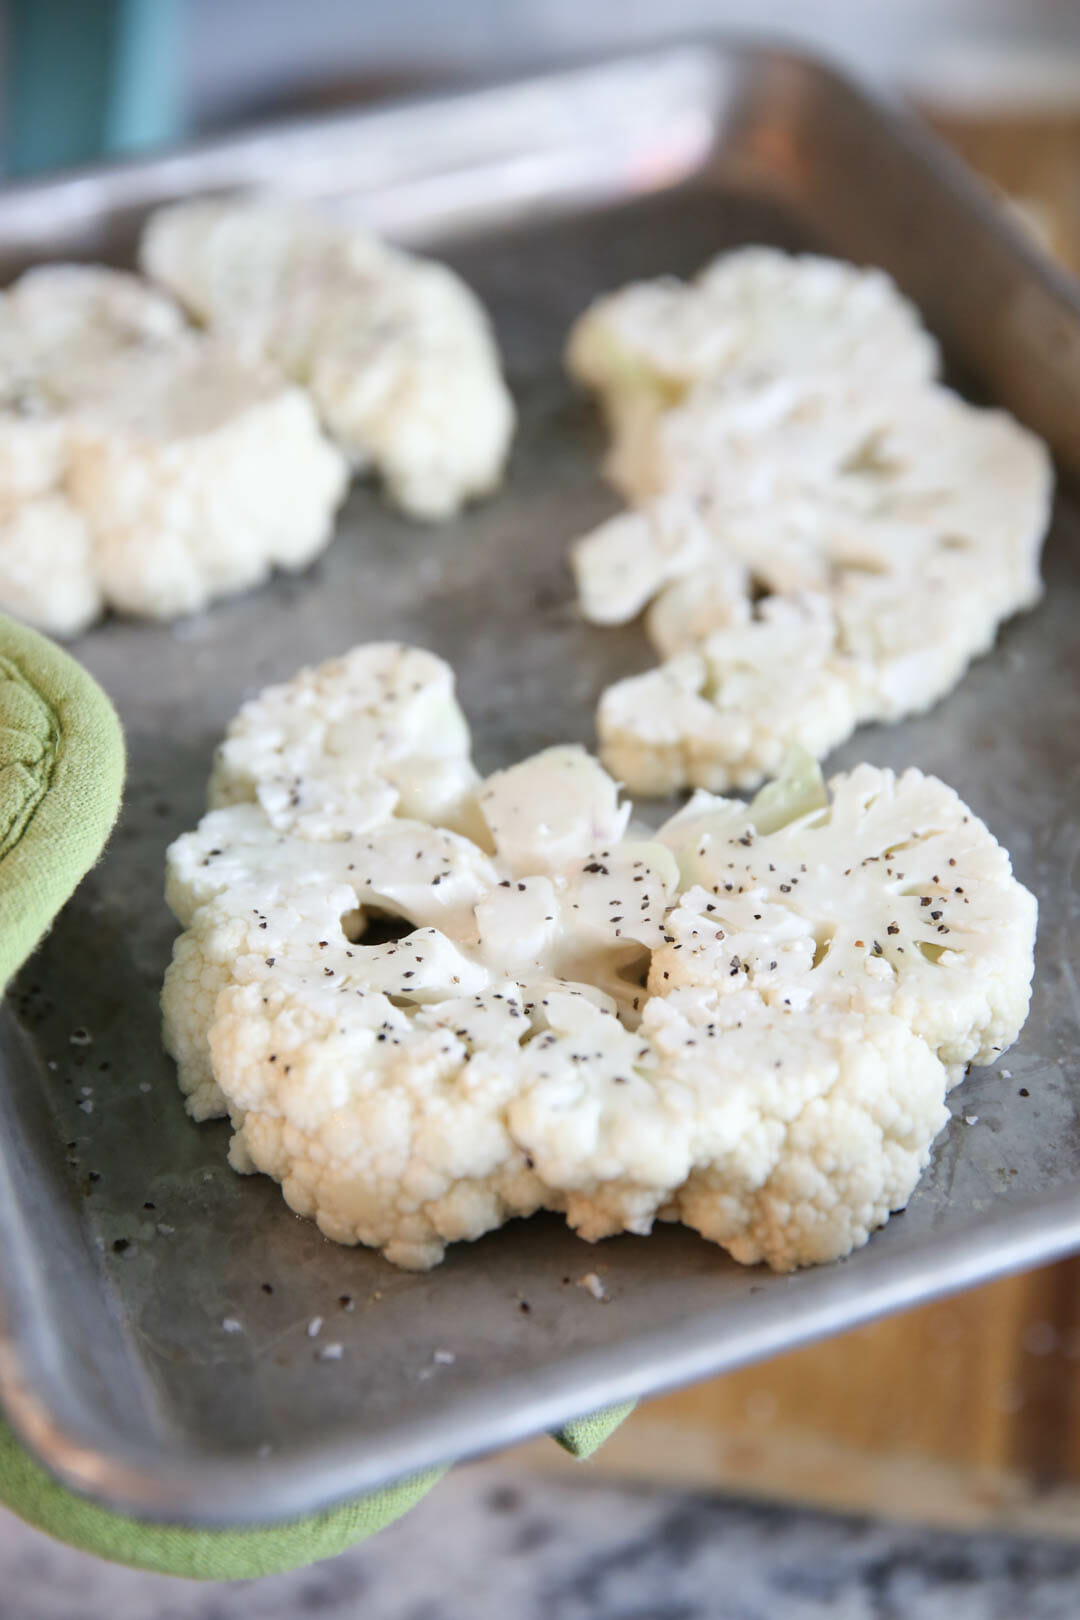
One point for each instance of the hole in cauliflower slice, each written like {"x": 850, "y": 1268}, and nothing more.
{"x": 373, "y": 927}
{"x": 728, "y": 1022}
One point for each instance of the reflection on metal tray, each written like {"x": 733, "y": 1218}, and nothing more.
{"x": 126, "y": 1241}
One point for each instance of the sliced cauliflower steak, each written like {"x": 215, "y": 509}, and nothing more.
{"x": 395, "y": 350}
{"x": 747, "y": 1021}
{"x": 142, "y": 466}
{"x": 902, "y": 523}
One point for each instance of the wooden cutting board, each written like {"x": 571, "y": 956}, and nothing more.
{"x": 967, "y": 1411}
{"x": 964, "y": 1412}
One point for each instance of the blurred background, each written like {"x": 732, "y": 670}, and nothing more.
{"x": 953, "y": 1433}
{"x": 83, "y": 77}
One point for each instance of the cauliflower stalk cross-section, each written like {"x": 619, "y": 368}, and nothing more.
{"x": 431, "y": 1002}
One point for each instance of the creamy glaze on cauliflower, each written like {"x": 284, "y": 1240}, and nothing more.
{"x": 394, "y": 350}
{"x": 142, "y": 466}
{"x": 823, "y": 536}
{"x": 431, "y": 1002}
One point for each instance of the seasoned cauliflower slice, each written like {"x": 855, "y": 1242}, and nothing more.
{"x": 750, "y": 317}
{"x": 395, "y": 351}
{"x": 141, "y": 466}
{"x": 747, "y": 1021}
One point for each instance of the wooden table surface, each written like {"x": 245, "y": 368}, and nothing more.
{"x": 964, "y": 1412}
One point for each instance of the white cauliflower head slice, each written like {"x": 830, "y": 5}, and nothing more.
{"x": 141, "y": 466}
{"x": 564, "y": 1031}
{"x": 749, "y": 317}
{"x": 395, "y": 350}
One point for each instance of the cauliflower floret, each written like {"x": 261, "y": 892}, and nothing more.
{"x": 750, "y": 317}
{"x": 141, "y": 466}
{"x": 819, "y": 1129}
{"x": 726, "y": 712}
{"x": 395, "y": 351}
{"x": 748, "y": 1021}
{"x": 337, "y": 748}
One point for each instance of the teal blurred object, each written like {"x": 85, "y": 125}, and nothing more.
{"x": 89, "y": 78}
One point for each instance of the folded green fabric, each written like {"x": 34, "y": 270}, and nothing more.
{"x": 61, "y": 776}
{"x": 202, "y": 1555}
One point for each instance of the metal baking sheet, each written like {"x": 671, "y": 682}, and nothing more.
{"x": 125, "y": 1241}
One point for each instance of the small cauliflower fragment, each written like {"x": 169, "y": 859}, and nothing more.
{"x": 395, "y": 351}
{"x": 747, "y": 1021}
{"x": 143, "y": 467}
{"x": 911, "y": 519}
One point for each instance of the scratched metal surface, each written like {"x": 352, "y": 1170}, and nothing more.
{"x": 125, "y": 1241}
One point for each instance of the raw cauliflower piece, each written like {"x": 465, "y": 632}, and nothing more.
{"x": 916, "y": 535}
{"x": 141, "y": 466}
{"x": 395, "y": 351}
{"x": 750, "y": 317}
{"x": 747, "y": 1021}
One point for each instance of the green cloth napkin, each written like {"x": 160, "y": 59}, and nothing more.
{"x": 61, "y": 776}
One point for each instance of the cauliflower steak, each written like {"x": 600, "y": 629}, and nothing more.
{"x": 430, "y": 1002}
